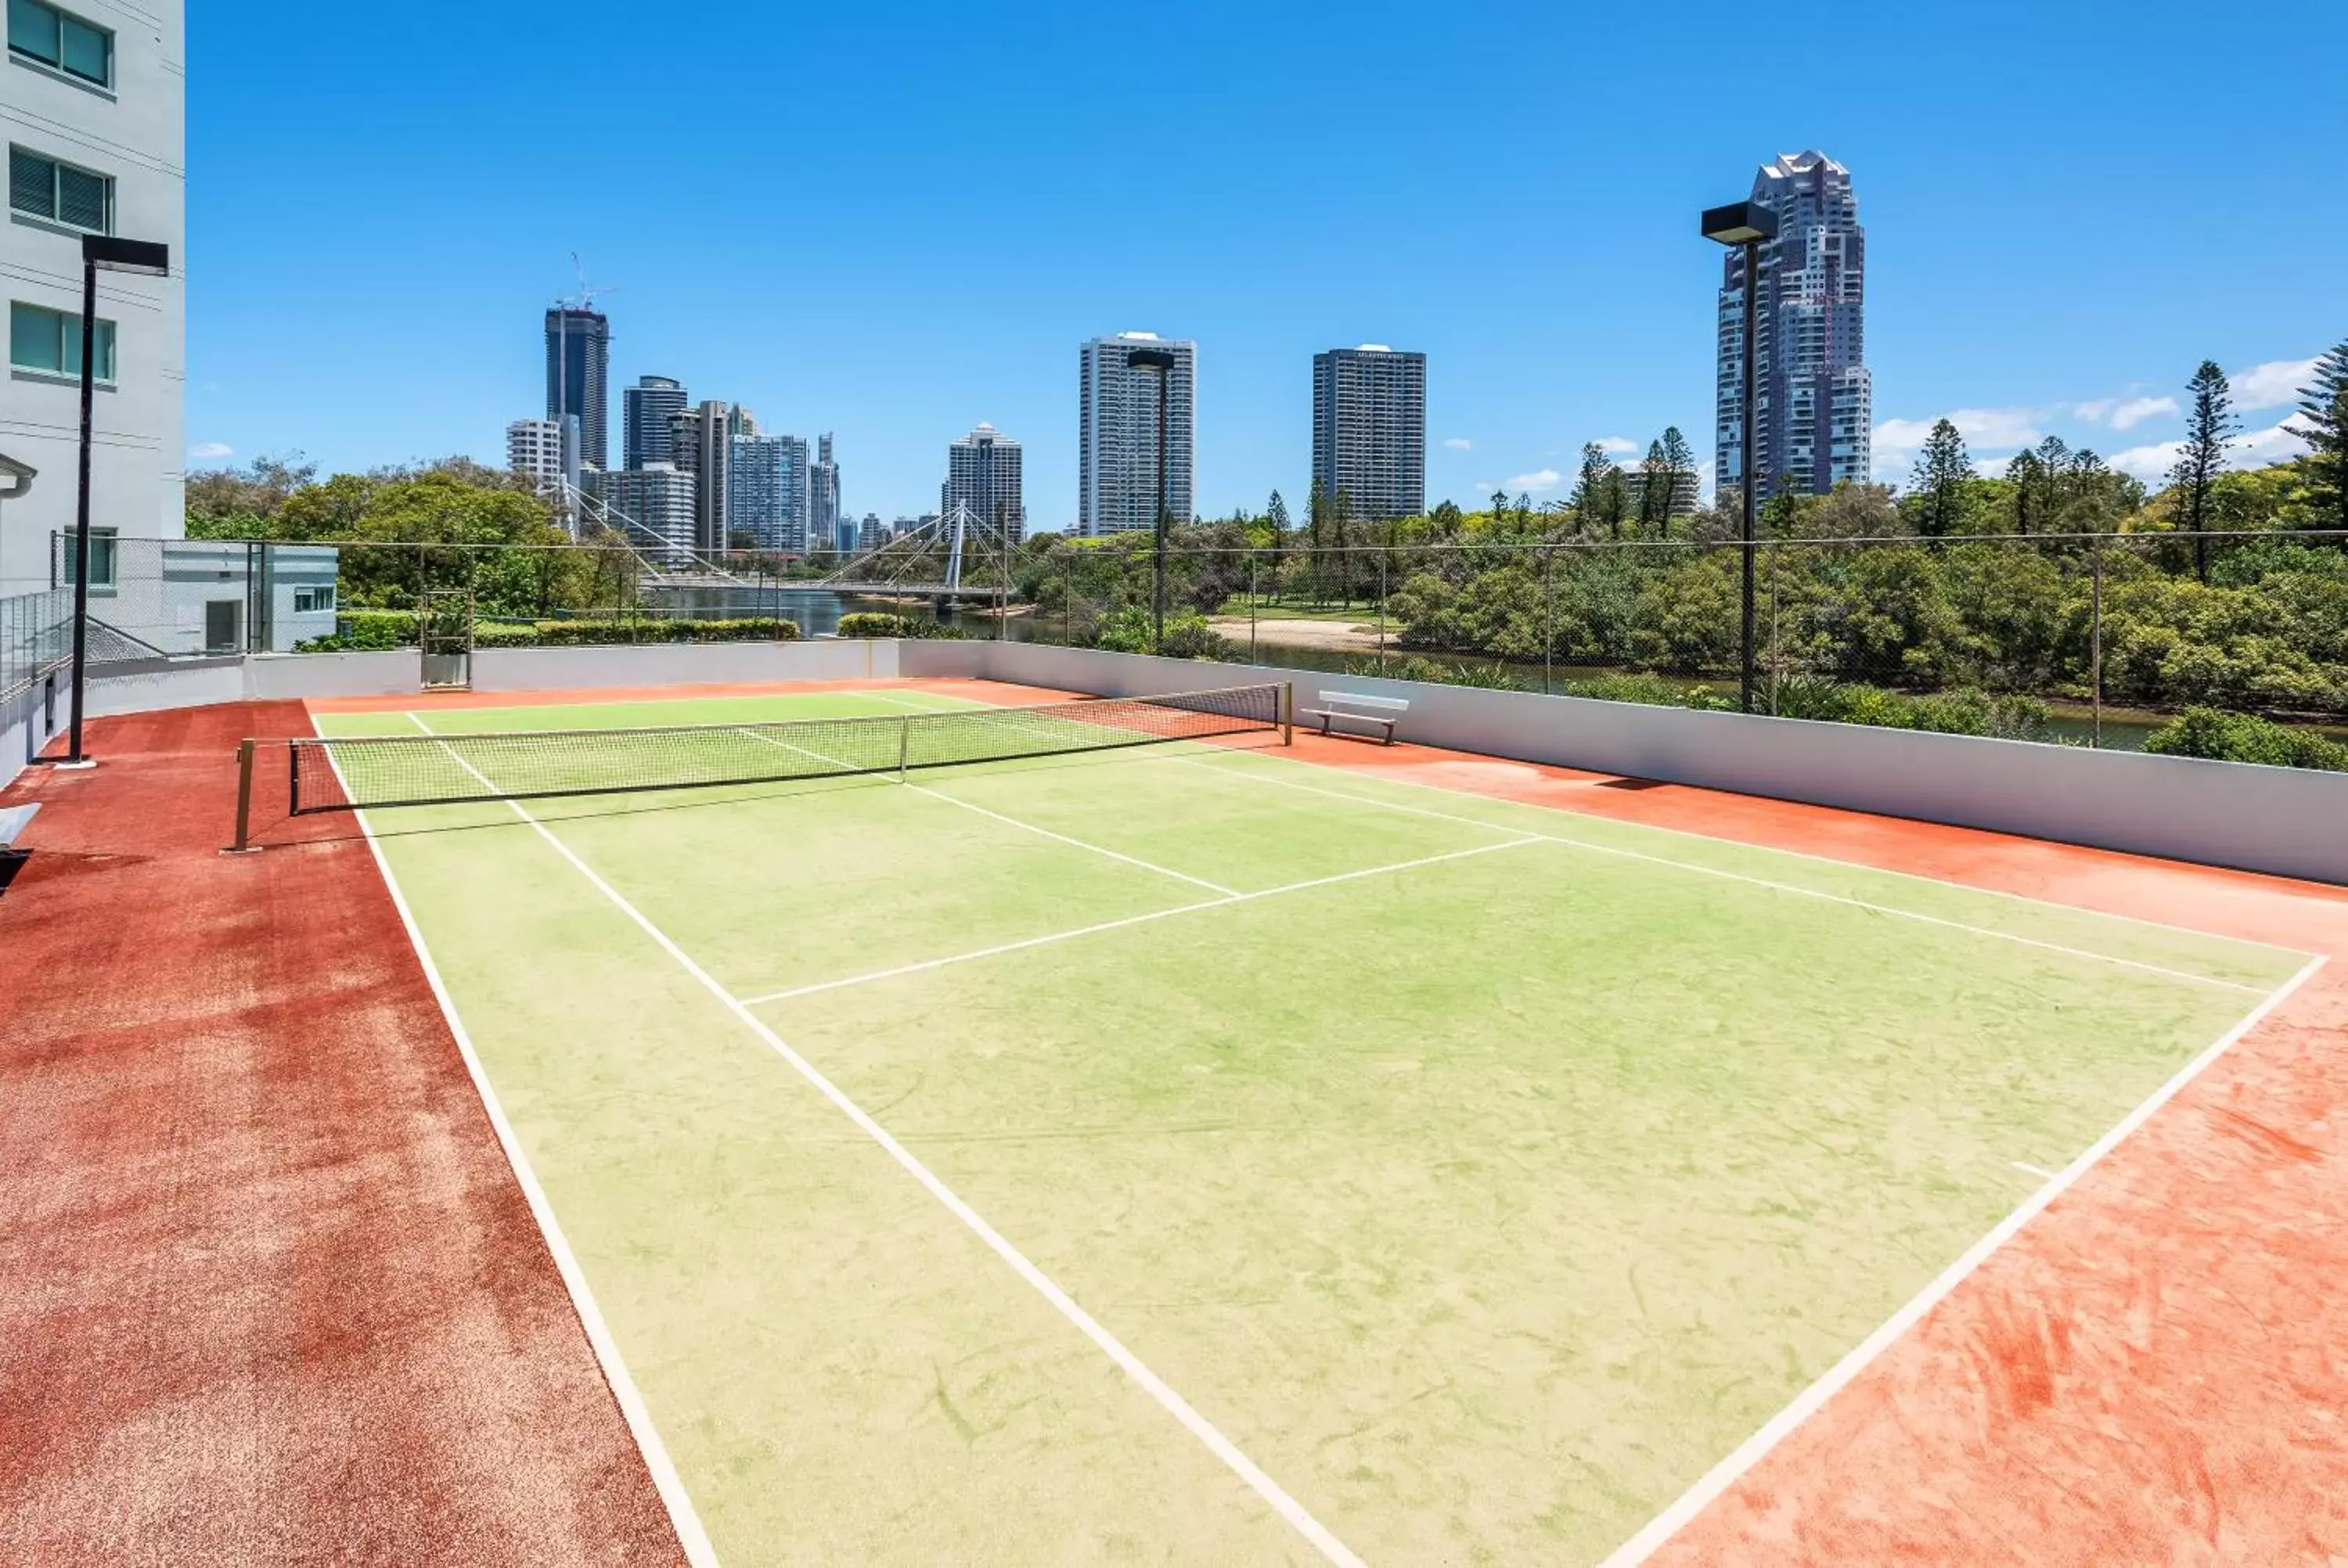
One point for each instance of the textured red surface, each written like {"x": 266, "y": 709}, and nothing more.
{"x": 268, "y": 1290}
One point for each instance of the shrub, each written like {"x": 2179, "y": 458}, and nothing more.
{"x": 868, "y": 623}
{"x": 2244, "y": 738}
{"x": 1487, "y": 677}
{"x": 1191, "y": 637}
{"x": 1651, "y": 688}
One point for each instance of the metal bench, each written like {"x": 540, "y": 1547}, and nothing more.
{"x": 1360, "y": 709}
{"x": 14, "y": 820}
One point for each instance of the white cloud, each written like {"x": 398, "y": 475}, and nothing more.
{"x": 1460, "y": 444}
{"x": 1538, "y": 479}
{"x": 1993, "y": 428}
{"x": 2152, "y": 462}
{"x": 2137, "y": 410}
{"x": 211, "y": 451}
{"x": 2122, "y": 413}
{"x": 1617, "y": 444}
{"x": 2271, "y": 384}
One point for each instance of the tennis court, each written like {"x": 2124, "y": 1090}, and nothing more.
{"x": 1185, "y": 1151}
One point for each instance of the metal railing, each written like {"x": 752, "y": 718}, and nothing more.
{"x": 35, "y": 638}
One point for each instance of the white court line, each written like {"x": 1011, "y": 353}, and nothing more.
{"x": 1214, "y": 888}
{"x": 1260, "y": 776}
{"x": 1047, "y": 940}
{"x": 1860, "y": 866}
{"x": 1727, "y": 1473}
{"x": 2027, "y": 1169}
{"x": 1222, "y": 1447}
{"x": 674, "y": 1496}
{"x": 1855, "y": 865}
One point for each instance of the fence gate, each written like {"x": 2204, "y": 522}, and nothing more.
{"x": 446, "y": 634}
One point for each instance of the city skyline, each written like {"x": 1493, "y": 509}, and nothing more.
{"x": 1543, "y": 331}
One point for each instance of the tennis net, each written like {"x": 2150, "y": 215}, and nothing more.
{"x": 364, "y": 772}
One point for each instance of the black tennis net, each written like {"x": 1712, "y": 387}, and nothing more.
{"x": 364, "y": 773}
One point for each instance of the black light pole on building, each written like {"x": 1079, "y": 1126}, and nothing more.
{"x": 1749, "y": 224}
{"x": 98, "y": 252}
{"x": 1162, "y": 362}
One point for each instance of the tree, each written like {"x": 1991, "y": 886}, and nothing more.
{"x": 1941, "y": 475}
{"x": 1276, "y": 514}
{"x": 1592, "y": 491}
{"x": 1444, "y": 522}
{"x": 2028, "y": 477}
{"x": 2324, "y": 405}
{"x": 1655, "y": 493}
{"x": 2206, "y": 428}
{"x": 1524, "y": 511}
{"x": 1679, "y": 462}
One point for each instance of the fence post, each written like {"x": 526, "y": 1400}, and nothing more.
{"x": 2095, "y": 644}
{"x": 1252, "y": 655}
{"x": 243, "y": 796}
{"x": 1549, "y": 620}
{"x": 1382, "y": 614}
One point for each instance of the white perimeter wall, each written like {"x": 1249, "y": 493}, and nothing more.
{"x": 2285, "y": 821}
{"x": 2290, "y": 821}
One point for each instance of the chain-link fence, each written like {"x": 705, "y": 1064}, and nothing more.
{"x": 35, "y": 638}
{"x": 2097, "y": 639}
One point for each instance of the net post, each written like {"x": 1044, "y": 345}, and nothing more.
{"x": 292, "y": 778}
{"x": 1288, "y": 712}
{"x": 904, "y": 745}
{"x": 244, "y": 797}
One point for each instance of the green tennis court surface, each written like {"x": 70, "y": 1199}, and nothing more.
{"x": 1374, "y": 1171}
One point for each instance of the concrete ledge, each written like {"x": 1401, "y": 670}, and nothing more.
{"x": 2283, "y": 821}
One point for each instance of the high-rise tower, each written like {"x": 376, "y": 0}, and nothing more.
{"x": 1817, "y": 401}
{"x": 578, "y": 371}
{"x": 1117, "y": 439}
{"x": 645, "y": 411}
{"x": 1369, "y": 430}
{"x": 982, "y": 473}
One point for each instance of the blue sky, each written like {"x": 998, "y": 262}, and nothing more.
{"x": 894, "y": 221}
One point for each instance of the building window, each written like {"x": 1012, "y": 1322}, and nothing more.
{"x": 60, "y": 193}
{"x": 50, "y": 341}
{"x": 103, "y": 553}
{"x": 70, "y": 45}
{"x": 313, "y": 600}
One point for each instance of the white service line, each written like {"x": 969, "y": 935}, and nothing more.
{"x": 2031, "y": 900}
{"x": 2027, "y": 1169}
{"x": 1260, "y": 776}
{"x": 1222, "y": 1447}
{"x": 1805, "y": 1404}
{"x": 666, "y": 1482}
{"x": 1214, "y": 888}
{"x": 1047, "y": 940}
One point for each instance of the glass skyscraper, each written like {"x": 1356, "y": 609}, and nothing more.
{"x": 1815, "y": 423}
{"x": 578, "y": 369}
{"x": 767, "y": 493}
{"x": 1117, "y": 438}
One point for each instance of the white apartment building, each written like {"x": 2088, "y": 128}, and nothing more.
{"x": 92, "y": 106}
{"x": 1117, "y": 439}
{"x": 536, "y": 447}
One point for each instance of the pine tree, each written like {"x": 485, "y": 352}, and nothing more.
{"x": 2027, "y": 474}
{"x": 2206, "y": 428}
{"x": 1942, "y": 473}
{"x": 1679, "y": 457}
{"x": 1590, "y": 492}
{"x": 2323, "y": 405}
{"x": 1524, "y": 511}
{"x": 1654, "y": 494}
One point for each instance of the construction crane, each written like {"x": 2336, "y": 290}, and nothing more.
{"x": 585, "y": 299}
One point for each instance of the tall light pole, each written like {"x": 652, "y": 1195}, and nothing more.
{"x": 150, "y": 260}
{"x": 1749, "y": 224}
{"x": 1161, "y": 360}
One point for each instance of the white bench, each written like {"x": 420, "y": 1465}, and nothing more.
{"x": 14, "y": 820}
{"x": 1360, "y": 709}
